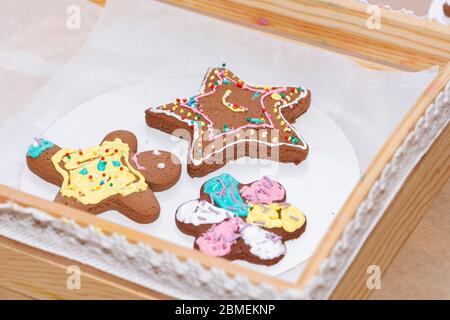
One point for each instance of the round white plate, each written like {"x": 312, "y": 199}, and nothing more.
{"x": 318, "y": 186}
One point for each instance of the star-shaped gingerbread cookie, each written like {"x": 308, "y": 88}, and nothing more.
{"x": 110, "y": 176}
{"x": 229, "y": 119}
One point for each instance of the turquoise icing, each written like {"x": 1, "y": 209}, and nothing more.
{"x": 116, "y": 163}
{"x": 101, "y": 165}
{"x": 255, "y": 95}
{"x": 192, "y": 102}
{"x": 84, "y": 171}
{"x": 35, "y": 151}
{"x": 223, "y": 191}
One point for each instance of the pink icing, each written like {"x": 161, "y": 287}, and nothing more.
{"x": 134, "y": 158}
{"x": 218, "y": 240}
{"x": 264, "y": 191}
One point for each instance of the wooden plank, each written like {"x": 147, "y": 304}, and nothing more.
{"x": 7, "y": 294}
{"x": 361, "y": 61}
{"x": 405, "y": 212}
{"x": 372, "y": 174}
{"x": 402, "y": 41}
{"x": 35, "y": 273}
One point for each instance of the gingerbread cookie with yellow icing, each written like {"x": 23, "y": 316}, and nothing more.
{"x": 110, "y": 176}
{"x": 241, "y": 221}
{"x": 230, "y": 119}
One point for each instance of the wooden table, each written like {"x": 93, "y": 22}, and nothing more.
{"x": 421, "y": 270}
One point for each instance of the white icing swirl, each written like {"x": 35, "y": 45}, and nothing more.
{"x": 263, "y": 244}
{"x": 201, "y": 212}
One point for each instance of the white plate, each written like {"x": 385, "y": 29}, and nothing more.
{"x": 319, "y": 186}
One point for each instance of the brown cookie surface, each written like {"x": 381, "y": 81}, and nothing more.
{"x": 162, "y": 168}
{"x": 111, "y": 176}
{"x": 229, "y": 119}
{"x": 447, "y": 9}
{"x": 43, "y": 167}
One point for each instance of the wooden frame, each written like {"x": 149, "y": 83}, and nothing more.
{"x": 403, "y": 42}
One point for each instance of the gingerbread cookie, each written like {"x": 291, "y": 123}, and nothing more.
{"x": 229, "y": 119}
{"x": 111, "y": 176}
{"x": 447, "y": 8}
{"x": 241, "y": 221}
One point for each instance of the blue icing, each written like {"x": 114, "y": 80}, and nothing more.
{"x": 255, "y": 95}
{"x": 84, "y": 171}
{"x": 35, "y": 151}
{"x": 101, "y": 165}
{"x": 192, "y": 102}
{"x": 223, "y": 190}
{"x": 116, "y": 163}
{"x": 226, "y": 81}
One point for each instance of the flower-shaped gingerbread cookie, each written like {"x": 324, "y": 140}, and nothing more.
{"x": 241, "y": 221}
{"x": 110, "y": 176}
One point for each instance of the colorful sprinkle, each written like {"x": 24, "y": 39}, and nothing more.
{"x": 262, "y": 22}
{"x": 116, "y": 163}
{"x": 254, "y": 120}
{"x": 101, "y": 165}
{"x": 276, "y": 96}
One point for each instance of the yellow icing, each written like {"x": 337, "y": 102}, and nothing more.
{"x": 276, "y": 215}
{"x": 275, "y": 96}
{"x": 84, "y": 181}
{"x": 229, "y": 105}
